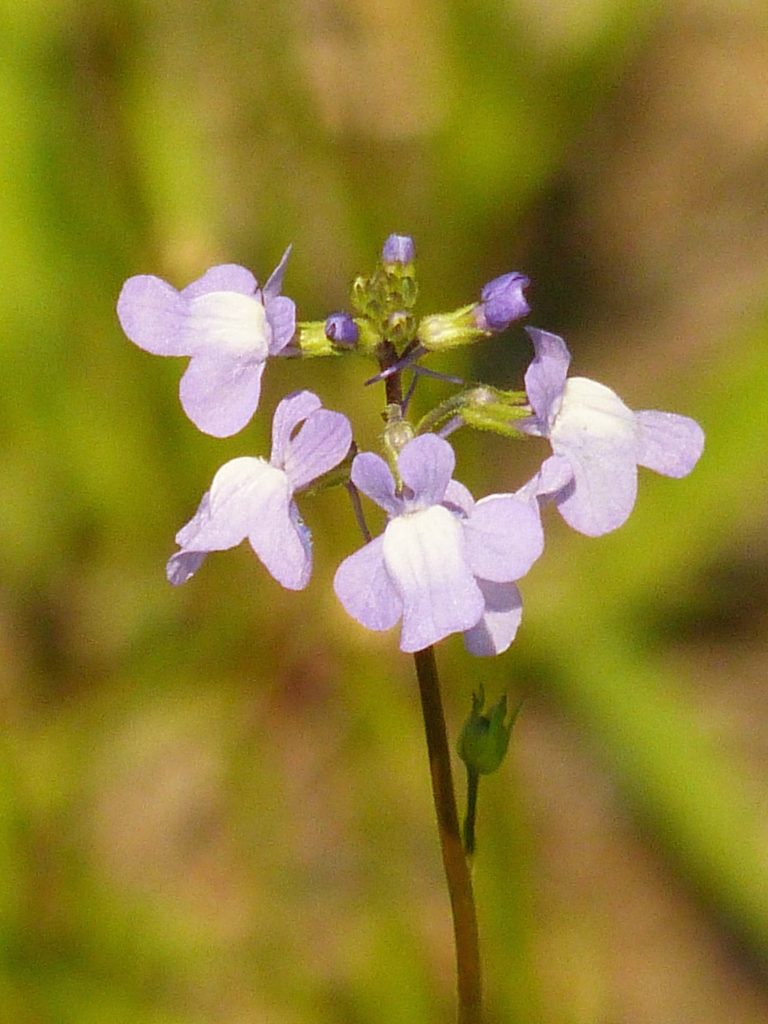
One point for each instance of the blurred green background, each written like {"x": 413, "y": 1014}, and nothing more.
{"x": 214, "y": 802}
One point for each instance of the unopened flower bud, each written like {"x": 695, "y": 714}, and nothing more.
{"x": 398, "y": 249}
{"x": 501, "y": 302}
{"x": 341, "y": 329}
{"x": 484, "y": 739}
{"x": 398, "y": 431}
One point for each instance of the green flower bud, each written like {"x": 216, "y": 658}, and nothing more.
{"x": 400, "y": 328}
{"x": 484, "y": 739}
{"x": 397, "y": 433}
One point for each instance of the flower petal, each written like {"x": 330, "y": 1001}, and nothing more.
{"x": 274, "y": 285}
{"x": 154, "y": 316}
{"x": 668, "y": 443}
{"x": 499, "y": 622}
{"x": 227, "y": 324}
{"x": 554, "y": 475}
{"x": 225, "y": 515}
{"x": 289, "y": 413}
{"x": 363, "y": 586}
{"x": 226, "y": 277}
{"x": 596, "y": 432}
{"x": 425, "y": 557}
{"x": 220, "y": 395}
{"x": 371, "y": 475}
{"x": 504, "y": 537}
{"x": 281, "y": 540}
{"x": 320, "y": 445}
{"x": 502, "y": 301}
{"x": 281, "y": 316}
{"x": 426, "y": 464}
{"x": 459, "y": 497}
{"x": 545, "y": 377}
{"x": 183, "y": 565}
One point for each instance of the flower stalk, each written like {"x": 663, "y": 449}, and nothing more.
{"x": 468, "y": 973}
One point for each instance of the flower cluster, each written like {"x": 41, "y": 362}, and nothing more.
{"x": 444, "y": 562}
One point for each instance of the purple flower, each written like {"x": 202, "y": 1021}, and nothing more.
{"x": 597, "y": 442}
{"x": 226, "y": 323}
{"x": 444, "y": 564}
{"x": 501, "y": 302}
{"x": 398, "y": 249}
{"x": 253, "y": 498}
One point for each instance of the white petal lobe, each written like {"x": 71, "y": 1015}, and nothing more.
{"x": 424, "y": 554}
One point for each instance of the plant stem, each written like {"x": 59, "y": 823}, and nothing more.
{"x": 473, "y": 783}
{"x": 454, "y": 860}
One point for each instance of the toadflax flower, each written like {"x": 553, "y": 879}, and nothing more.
{"x": 226, "y": 323}
{"x": 445, "y": 563}
{"x": 253, "y": 498}
{"x": 597, "y": 442}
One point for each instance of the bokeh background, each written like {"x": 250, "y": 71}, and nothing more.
{"x": 214, "y": 802}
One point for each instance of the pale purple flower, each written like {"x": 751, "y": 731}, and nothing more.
{"x": 226, "y": 323}
{"x": 597, "y": 442}
{"x": 501, "y": 302}
{"x": 253, "y": 498}
{"x": 398, "y": 249}
{"x": 445, "y": 563}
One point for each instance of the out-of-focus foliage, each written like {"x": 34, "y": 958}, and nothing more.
{"x": 214, "y": 801}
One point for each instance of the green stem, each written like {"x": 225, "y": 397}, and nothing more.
{"x": 473, "y": 784}
{"x": 454, "y": 860}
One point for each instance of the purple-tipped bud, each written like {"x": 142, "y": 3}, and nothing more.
{"x": 502, "y": 301}
{"x": 398, "y": 249}
{"x": 341, "y": 329}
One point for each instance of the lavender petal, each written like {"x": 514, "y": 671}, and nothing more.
{"x": 504, "y": 538}
{"x": 365, "y": 589}
{"x": 281, "y": 315}
{"x": 153, "y": 315}
{"x": 183, "y": 565}
{"x": 294, "y": 408}
{"x": 499, "y": 623}
{"x": 668, "y": 443}
{"x": 319, "y": 446}
{"x": 226, "y": 277}
{"x": 274, "y": 284}
{"x": 282, "y": 541}
{"x": 425, "y": 558}
{"x": 426, "y": 464}
{"x": 545, "y": 377}
{"x": 371, "y": 475}
{"x": 221, "y": 395}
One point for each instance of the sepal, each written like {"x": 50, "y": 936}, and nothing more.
{"x": 441, "y": 331}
